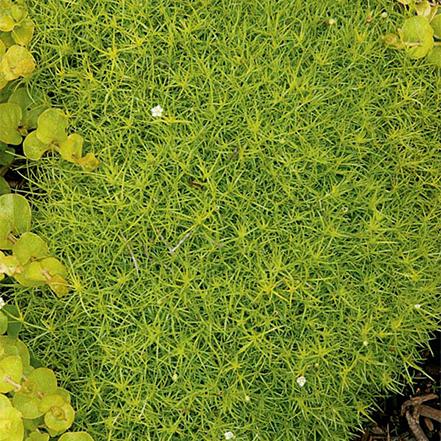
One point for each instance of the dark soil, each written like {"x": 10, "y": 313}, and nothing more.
{"x": 14, "y": 179}
{"x": 391, "y": 425}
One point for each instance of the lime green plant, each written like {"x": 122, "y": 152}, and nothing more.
{"x": 30, "y": 262}
{"x": 16, "y": 31}
{"x": 51, "y": 135}
{"x": 44, "y": 128}
{"x": 32, "y": 406}
{"x": 420, "y": 35}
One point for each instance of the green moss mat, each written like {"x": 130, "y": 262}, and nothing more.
{"x": 314, "y": 236}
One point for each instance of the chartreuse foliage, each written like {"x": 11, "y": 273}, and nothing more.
{"x": 44, "y": 129}
{"x": 51, "y": 135}
{"x": 32, "y": 405}
{"x": 21, "y": 116}
{"x": 420, "y": 35}
{"x": 16, "y": 31}
{"x": 313, "y": 237}
{"x": 29, "y": 262}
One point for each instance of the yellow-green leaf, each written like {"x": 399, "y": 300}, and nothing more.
{"x": 10, "y": 117}
{"x": 3, "y": 323}
{"x": 393, "y": 41}
{"x": 71, "y": 149}
{"x": 7, "y": 22}
{"x": 54, "y": 267}
{"x": 20, "y": 347}
{"x": 11, "y": 370}
{"x": 4, "y": 187}
{"x": 88, "y": 162}
{"x": 11, "y": 424}
{"x": 18, "y": 13}
{"x": 10, "y": 265}
{"x": 6, "y": 229}
{"x": 30, "y": 246}
{"x": 45, "y": 380}
{"x": 60, "y": 418}
{"x": 38, "y": 436}
{"x": 31, "y": 108}
{"x": 418, "y": 36}
{"x": 17, "y": 62}
{"x": 7, "y": 39}
{"x": 50, "y": 400}
{"x": 424, "y": 9}
{"x": 436, "y": 25}
{"x": 28, "y": 283}
{"x": 76, "y": 436}
{"x": 34, "y": 271}
{"x": 58, "y": 285}
{"x": 23, "y": 32}
{"x": 26, "y": 400}
{"x": 434, "y": 56}
{"x": 52, "y": 126}
{"x": 33, "y": 148}
{"x": 17, "y": 210}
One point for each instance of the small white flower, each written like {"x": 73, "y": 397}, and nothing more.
{"x": 301, "y": 381}
{"x": 417, "y": 306}
{"x": 2, "y": 302}
{"x": 365, "y": 343}
{"x": 157, "y": 111}
{"x": 384, "y": 14}
{"x": 229, "y": 435}
{"x": 332, "y": 21}
{"x": 247, "y": 398}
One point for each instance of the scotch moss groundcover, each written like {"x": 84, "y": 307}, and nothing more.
{"x": 278, "y": 222}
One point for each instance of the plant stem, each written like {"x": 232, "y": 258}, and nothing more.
{"x": 436, "y": 43}
{"x": 182, "y": 240}
{"x": 9, "y": 380}
{"x": 131, "y": 254}
{"x": 46, "y": 274}
{"x": 11, "y": 238}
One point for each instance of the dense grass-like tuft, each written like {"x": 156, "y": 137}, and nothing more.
{"x": 314, "y": 235}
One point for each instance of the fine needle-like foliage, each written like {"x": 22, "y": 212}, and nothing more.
{"x": 44, "y": 128}
{"x": 257, "y": 256}
{"x": 32, "y": 405}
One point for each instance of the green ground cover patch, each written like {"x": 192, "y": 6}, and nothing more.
{"x": 310, "y": 223}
